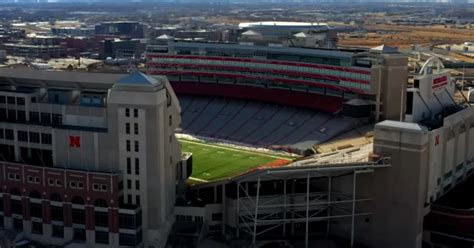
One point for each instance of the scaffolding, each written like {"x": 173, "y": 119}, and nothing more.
{"x": 258, "y": 214}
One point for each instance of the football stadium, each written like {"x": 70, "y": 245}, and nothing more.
{"x": 335, "y": 130}
{"x": 281, "y": 158}
{"x": 288, "y": 143}
{"x": 249, "y": 155}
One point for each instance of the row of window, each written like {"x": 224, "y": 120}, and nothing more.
{"x": 365, "y": 87}
{"x": 129, "y": 199}
{"x": 135, "y": 128}
{"x": 124, "y": 239}
{"x": 78, "y": 185}
{"x": 189, "y": 218}
{"x": 92, "y": 100}
{"x": 136, "y": 146}
{"x": 99, "y": 187}
{"x": 101, "y": 219}
{"x": 37, "y": 228}
{"x": 129, "y": 160}
{"x": 6, "y": 134}
{"x": 303, "y": 69}
{"x": 55, "y": 183}
{"x": 264, "y": 54}
{"x": 318, "y": 90}
{"x": 266, "y": 77}
{"x": 14, "y": 115}
{"x": 58, "y": 183}
{"x": 14, "y": 177}
{"x": 129, "y": 166}
{"x": 45, "y": 118}
{"x": 101, "y": 237}
{"x": 135, "y": 113}
{"x": 12, "y": 100}
{"x": 129, "y": 184}
{"x": 34, "y": 137}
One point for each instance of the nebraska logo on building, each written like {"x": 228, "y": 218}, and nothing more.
{"x": 437, "y": 140}
{"x": 440, "y": 82}
{"x": 74, "y": 141}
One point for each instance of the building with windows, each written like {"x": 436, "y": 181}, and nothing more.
{"x": 35, "y": 51}
{"x": 88, "y": 158}
{"x": 125, "y": 29}
{"x": 117, "y": 48}
{"x": 299, "y": 34}
{"x": 73, "y": 31}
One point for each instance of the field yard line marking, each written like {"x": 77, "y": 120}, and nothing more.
{"x": 198, "y": 179}
{"x": 233, "y": 149}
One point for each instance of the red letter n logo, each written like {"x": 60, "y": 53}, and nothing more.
{"x": 437, "y": 140}
{"x": 74, "y": 141}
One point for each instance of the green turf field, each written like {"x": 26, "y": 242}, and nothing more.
{"x": 213, "y": 162}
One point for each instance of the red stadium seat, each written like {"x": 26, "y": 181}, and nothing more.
{"x": 314, "y": 101}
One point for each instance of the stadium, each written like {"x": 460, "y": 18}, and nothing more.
{"x": 228, "y": 161}
{"x": 247, "y": 99}
{"x": 287, "y": 143}
{"x": 280, "y": 101}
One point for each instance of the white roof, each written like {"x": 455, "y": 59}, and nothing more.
{"x": 402, "y": 125}
{"x": 250, "y": 33}
{"x": 300, "y": 35}
{"x": 164, "y": 37}
{"x": 385, "y": 49}
{"x": 272, "y": 23}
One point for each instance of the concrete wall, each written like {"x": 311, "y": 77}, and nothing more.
{"x": 399, "y": 191}
{"x": 425, "y": 165}
{"x": 389, "y": 78}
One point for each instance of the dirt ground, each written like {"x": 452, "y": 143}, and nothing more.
{"x": 405, "y": 36}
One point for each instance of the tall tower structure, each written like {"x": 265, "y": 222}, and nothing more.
{"x": 144, "y": 114}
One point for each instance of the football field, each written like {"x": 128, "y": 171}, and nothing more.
{"x": 214, "y": 162}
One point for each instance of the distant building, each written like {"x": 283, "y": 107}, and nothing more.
{"x": 13, "y": 33}
{"x": 201, "y": 34}
{"x": 76, "y": 45}
{"x": 43, "y": 40}
{"x": 298, "y": 34}
{"x": 73, "y": 31}
{"x": 126, "y": 29}
{"x": 35, "y": 51}
{"x": 119, "y": 48}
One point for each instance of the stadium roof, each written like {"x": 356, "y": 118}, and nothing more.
{"x": 384, "y": 49}
{"x": 250, "y": 33}
{"x": 137, "y": 78}
{"x": 76, "y": 80}
{"x": 404, "y": 125}
{"x": 59, "y": 79}
{"x": 165, "y": 37}
{"x": 300, "y": 35}
{"x": 282, "y": 24}
{"x": 282, "y": 50}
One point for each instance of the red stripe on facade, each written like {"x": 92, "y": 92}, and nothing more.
{"x": 64, "y": 190}
{"x": 272, "y": 79}
{"x": 440, "y": 79}
{"x": 262, "y": 70}
{"x": 439, "y": 85}
{"x": 275, "y": 62}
